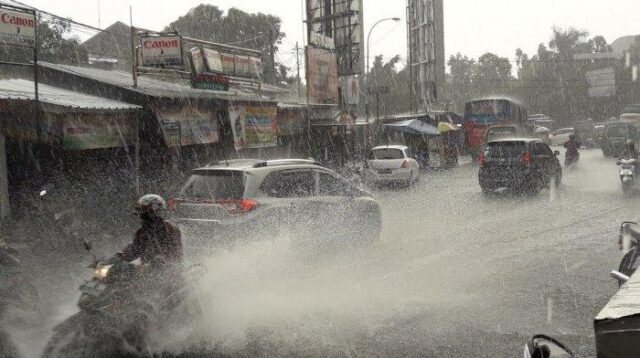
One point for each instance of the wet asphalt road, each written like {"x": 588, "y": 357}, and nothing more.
{"x": 455, "y": 274}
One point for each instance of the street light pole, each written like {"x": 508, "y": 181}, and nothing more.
{"x": 396, "y": 19}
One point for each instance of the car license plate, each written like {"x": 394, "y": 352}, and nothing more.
{"x": 384, "y": 171}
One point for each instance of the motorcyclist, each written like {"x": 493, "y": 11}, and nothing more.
{"x": 572, "y": 145}
{"x": 156, "y": 239}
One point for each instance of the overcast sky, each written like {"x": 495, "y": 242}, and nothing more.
{"x": 471, "y": 27}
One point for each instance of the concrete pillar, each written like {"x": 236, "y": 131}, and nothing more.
{"x": 5, "y": 207}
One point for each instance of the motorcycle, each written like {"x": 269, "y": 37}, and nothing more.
{"x": 118, "y": 307}
{"x": 627, "y": 174}
{"x": 571, "y": 158}
{"x": 541, "y": 346}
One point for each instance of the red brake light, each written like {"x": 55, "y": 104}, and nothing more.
{"x": 482, "y": 160}
{"x": 247, "y": 205}
{"x": 241, "y": 206}
{"x": 526, "y": 158}
{"x": 405, "y": 164}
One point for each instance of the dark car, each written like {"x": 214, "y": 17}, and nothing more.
{"x": 585, "y": 134}
{"x": 523, "y": 165}
{"x": 615, "y": 138}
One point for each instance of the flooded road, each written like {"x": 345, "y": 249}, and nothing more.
{"x": 455, "y": 274}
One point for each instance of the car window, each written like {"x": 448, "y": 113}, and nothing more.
{"x": 386, "y": 154}
{"x": 289, "y": 184}
{"x": 215, "y": 185}
{"x": 330, "y": 185}
{"x": 505, "y": 150}
{"x": 540, "y": 149}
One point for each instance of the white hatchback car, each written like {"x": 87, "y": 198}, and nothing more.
{"x": 391, "y": 164}
{"x": 561, "y": 136}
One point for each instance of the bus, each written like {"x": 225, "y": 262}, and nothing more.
{"x": 480, "y": 114}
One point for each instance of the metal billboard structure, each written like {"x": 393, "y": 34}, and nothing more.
{"x": 425, "y": 42}
{"x": 337, "y": 25}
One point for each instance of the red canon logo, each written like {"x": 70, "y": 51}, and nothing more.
{"x": 15, "y": 20}
{"x": 151, "y": 44}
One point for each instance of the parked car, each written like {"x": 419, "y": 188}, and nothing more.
{"x": 616, "y": 135}
{"x": 391, "y": 164}
{"x": 524, "y": 165}
{"x": 253, "y": 199}
{"x": 561, "y": 136}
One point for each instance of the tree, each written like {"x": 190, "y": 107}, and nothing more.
{"x": 386, "y": 74}
{"x": 254, "y": 31}
{"x": 492, "y": 68}
{"x": 566, "y": 41}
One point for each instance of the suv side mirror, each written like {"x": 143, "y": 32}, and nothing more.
{"x": 544, "y": 346}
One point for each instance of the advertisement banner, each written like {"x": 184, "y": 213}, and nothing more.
{"x": 188, "y": 126}
{"x": 213, "y": 60}
{"x": 197, "y": 61}
{"x": 17, "y": 28}
{"x": 322, "y": 74}
{"x": 161, "y": 51}
{"x": 243, "y": 68}
{"x": 602, "y": 83}
{"x": 207, "y": 81}
{"x": 290, "y": 122}
{"x": 255, "y": 66}
{"x": 253, "y": 126}
{"x": 92, "y": 131}
{"x": 350, "y": 87}
{"x": 228, "y": 64}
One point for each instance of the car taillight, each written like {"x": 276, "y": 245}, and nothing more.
{"x": 172, "y": 204}
{"x": 405, "y": 164}
{"x": 482, "y": 160}
{"x": 241, "y": 206}
{"x": 526, "y": 158}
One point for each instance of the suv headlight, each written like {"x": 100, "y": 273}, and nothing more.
{"x": 101, "y": 271}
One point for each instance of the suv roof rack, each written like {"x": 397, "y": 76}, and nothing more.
{"x": 272, "y": 163}
{"x": 234, "y": 162}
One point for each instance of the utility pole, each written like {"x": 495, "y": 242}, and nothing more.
{"x": 298, "y": 67}
{"x": 272, "y": 60}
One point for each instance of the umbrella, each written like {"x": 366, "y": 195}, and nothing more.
{"x": 414, "y": 126}
{"x": 445, "y": 127}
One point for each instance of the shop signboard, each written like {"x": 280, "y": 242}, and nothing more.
{"x": 161, "y": 51}
{"x": 188, "y": 126}
{"x": 93, "y": 131}
{"x": 322, "y": 75}
{"x": 209, "y": 81}
{"x": 255, "y": 67}
{"x": 243, "y": 68}
{"x": 213, "y": 60}
{"x": 602, "y": 82}
{"x": 290, "y": 121}
{"x": 228, "y": 64}
{"x": 253, "y": 126}
{"x": 17, "y": 28}
{"x": 197, "y": 61}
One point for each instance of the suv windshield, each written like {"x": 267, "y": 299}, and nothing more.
{"x": 215, "y": 185}
{"x": 505, "y": 150}
{"x": 618, "y": 130}
{"x": 386, "y": 154}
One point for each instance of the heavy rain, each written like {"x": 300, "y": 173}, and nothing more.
{"x": 319, "y": 178}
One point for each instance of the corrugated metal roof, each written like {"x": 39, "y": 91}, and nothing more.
{"x": 24, "y": 90}
{"x": 151, "y": 86}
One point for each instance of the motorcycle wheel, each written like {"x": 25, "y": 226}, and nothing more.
{"x": 86, "y": 335}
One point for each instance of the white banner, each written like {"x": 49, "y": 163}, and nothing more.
{"x": 350, "y": 89}
{"x": 214, "y": 62}
{"x": 602, "y": 83}
{"x": 17, "y": 29}
{"x": 161, "y": 51}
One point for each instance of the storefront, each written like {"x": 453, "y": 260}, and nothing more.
{"x": 64, "y": 130}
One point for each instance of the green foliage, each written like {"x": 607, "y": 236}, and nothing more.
{"x": 386, "y": 74}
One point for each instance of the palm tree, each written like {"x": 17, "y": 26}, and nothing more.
{"x": 565, "y": 41}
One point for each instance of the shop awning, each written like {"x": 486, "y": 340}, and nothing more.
{"x": 413, "y": 126}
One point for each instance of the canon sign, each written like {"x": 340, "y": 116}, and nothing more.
{"x": 161, "y": 51}
{"x": 17, "y": 28}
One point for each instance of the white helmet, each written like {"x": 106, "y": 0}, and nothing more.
{"x": 151, "y": 203}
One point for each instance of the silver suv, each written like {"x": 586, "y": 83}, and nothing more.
{"x": 253, "y": 199}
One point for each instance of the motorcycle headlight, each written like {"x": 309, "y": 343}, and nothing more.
{"x": 101, "y": 271}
